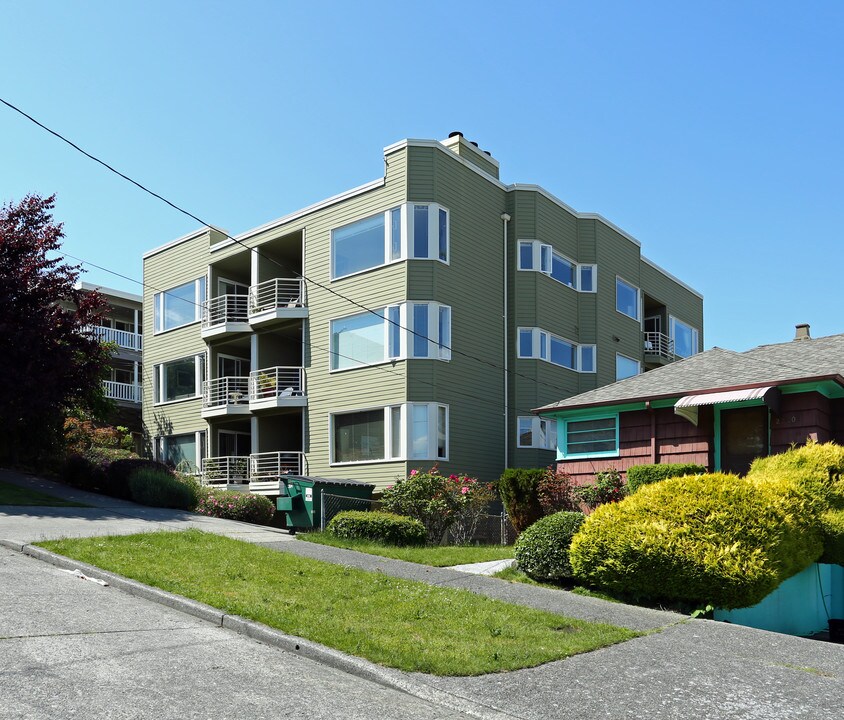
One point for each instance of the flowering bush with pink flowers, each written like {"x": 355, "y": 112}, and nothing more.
{"x": 231, "y": 505}
{"x": 436, "y": 500}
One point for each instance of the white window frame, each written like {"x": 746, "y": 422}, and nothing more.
{"x": 672, "y": 333}
{"x": 404, "y": 313}
{"x": 159, "y": 379}
{"x": 160, "y": 446}
{"x": 539, "y": 427}
{"x": 541, "y": 349}
{"x": 404, "y": 411}
{"x": 199, "y": 292}
{"x": 542, "y": 261}
{"x": 580, "y": 268}
{"x": 631, "y": 286}
{"x": 619, "y": 356}
{"x": 406, "y": 241}
{"x": 540, "y": 256}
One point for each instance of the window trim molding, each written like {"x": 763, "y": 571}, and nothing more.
{"x": 562, "y": 437}
{"x": 639, "y": 313}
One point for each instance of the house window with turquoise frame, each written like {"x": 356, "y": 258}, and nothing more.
{"x": 590, "y": 437}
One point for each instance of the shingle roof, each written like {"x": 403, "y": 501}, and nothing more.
{"x": 720, "y": 369}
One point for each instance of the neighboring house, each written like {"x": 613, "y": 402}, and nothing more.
{"x": 122, "y": 328}
{"x": 720, "y": 409}
{"x": 488, "y": 299}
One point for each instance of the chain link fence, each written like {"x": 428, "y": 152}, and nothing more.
{"x": 472, "y": 529}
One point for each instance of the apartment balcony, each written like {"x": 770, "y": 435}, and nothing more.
{"x": 229, "y": 473}
{"x": 123, "y": 392}
{"x": 122, "y": 338}
{"x": 659, "y": 349}
{"x": 277, "y": 387}
{"x": 266, "y": 470}
{"x": 225, "y": 315}
{"x": 277, "y": 299}
{"x": 225, "y": 396}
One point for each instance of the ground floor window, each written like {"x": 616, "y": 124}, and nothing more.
{"x": 413, "y": 431}
{"x": 593, "y": 437}
{"x": 183, "y": 452}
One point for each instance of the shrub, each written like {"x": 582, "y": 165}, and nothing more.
{"x": 707, "y": 539}
{"x": 640, "y": 475}
{"x": 429, "y": 497}
{"x": 542, "y": 550}
{"x": 609, "y": 487}
{"x": 160, "y": 488}
{"x": 79, "y": 472}
{"x": 556, "y": 491}
{"x": 233, "y": 505}
{"x": 832, "y": 527}
{"x": 118, "y": 473}
{"x": 518, "y": 489}
{"x": 474, "y": 500}
{"x": 383, "y": 527}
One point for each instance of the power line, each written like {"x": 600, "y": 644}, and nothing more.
{"x": 272, "y": 260}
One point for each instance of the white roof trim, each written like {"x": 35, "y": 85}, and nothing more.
{"x": 670, "y": 276}
{"x": 110, "y": 292}
{"x": 190, "y": 236}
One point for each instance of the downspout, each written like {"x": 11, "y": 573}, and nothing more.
{"x": 506, "y": 218}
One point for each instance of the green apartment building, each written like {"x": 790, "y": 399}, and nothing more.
{"x": 412, "y": 321}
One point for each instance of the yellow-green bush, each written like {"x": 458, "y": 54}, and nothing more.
{"x": 832, "y": 527}
{"x": 715, "y": 538}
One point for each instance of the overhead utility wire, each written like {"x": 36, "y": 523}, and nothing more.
{"x": 309, "y": 344}
{"x": 301, "y": 276}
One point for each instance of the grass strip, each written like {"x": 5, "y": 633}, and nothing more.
{"x": 437, "y": 556}
{"x": 514, "y": 574}
{"x": 398, "y": 623}
{"x": 16, "y": 495}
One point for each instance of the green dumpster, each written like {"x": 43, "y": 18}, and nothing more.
{"x": 310, "y": 502}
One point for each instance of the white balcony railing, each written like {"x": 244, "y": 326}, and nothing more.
{"x": 276, "y": 382}
{"x": 225, "y": 309}
{"x": 121, "y": 338}
{"x": 271, "y": 465}
{"x": 659, "y": 344}
{"x": 276, "y": 293}
{"x": 125, "y": 392}
{"x": 225, "y": 391}
{"x": 224, "y": 469}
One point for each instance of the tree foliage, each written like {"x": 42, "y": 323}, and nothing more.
{"x": 49, "y": 361}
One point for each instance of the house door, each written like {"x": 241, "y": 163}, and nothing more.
{"x": 744, "y": 437}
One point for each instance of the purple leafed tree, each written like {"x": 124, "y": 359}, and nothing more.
{"x": 49, "y": 362}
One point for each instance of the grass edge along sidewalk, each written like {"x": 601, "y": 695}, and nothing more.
{"x": 398, "y": 623}
{"x": 11, "y": 494}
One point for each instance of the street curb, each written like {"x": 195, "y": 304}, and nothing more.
{"x": 358, "y": 667}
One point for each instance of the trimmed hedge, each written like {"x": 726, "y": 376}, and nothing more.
{"x": 518, "y": 488}
{"x": 118, "y": 473}
{"x": 640, "y": 475}
{"x": 542, "y": 551}
{"x": 832, "y": 526}
{"x": 160, "y": 488}
{"x": 379, "y": 526}
{"x": 716, "y": 539}
{"x": 233, "y": 505}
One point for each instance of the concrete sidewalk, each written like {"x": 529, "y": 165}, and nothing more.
{"x": 681, "y": 669}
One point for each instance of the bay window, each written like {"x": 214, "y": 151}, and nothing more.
{"x": 411, "y": 431}
{"x": 537, "y": 432}
{"x": 418, "y": 231}
{"x": 540, "y": 257}
{"x": 538, "y": 344}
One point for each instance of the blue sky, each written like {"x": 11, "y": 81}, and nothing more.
{"x": 712, "y": 131}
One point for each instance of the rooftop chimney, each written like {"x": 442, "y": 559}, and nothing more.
{"x": 801, "y": 332}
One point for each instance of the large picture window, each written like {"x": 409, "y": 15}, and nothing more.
{"x": 179, "y": 379}
{"x": 181, "y": 305}
{"x": 418, "y": 330}
{"x": 418, "y": 231}
{"x": 414, "y": 431}
{"x": 184, "y": 452}
{"x": 594, "y": 437}
{"x": 685, "y": 337}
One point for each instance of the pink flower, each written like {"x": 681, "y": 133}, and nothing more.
{"x": 464, "y": 490}
{"x": 414, "y": 472}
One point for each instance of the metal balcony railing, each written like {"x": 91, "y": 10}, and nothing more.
{"x": 127, "y": 392}
{"x": 224, "y": 469}
{"x": 225, "y": 309}
{"x": 225, "y": 391}
{"x": 276, "y": 293}
{"x": 276, "y": 382}
{"x": 271, "y": 465}
{"x": 121, "y": 338}
{"x": 659, "y": 344}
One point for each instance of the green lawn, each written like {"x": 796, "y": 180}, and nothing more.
{"x": 438, "y": 556}
{"x": 407, "y": 625}
{"x": 513, "y": 574}
{"x": 17, "y": 495}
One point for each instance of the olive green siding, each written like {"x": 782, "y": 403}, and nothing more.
{"x": 472, "y": 383}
